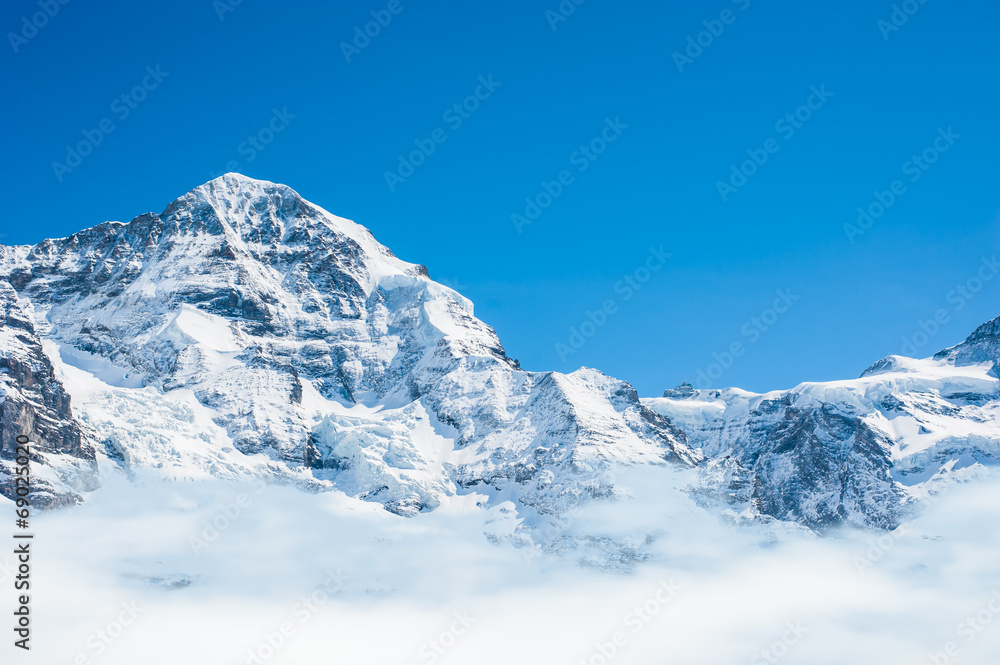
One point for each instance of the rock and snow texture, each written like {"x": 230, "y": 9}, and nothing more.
{"x": 246, "y": 333}
{"x": 33, "y": 401}
{"x": 982, "y": 346}
{"x": 859, "y": 451}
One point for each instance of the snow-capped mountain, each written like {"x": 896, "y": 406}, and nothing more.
{"x": 247, "y": 333}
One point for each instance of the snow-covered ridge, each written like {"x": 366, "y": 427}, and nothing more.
{"x": 861, "y": 450}
{"x": 247, "y": 333}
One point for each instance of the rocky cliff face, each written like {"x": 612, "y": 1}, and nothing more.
{"x": 983, "y": 345}
{"x": 34, "y": 404}
{"x": 859, "y": 452}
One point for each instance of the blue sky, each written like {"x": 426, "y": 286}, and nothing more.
{"x": 590, "y": 116}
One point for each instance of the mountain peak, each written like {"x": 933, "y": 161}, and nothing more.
{"x": 236, "y": 180}
{"x": 229, "y": 196}
{"x": 233, "y": 182}
{"x": 266, "y": 213}
{"x": 983, "y": 345}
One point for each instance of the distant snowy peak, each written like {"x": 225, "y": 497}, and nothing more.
{"x": 983, "y": 345}
{"x": 861, "y": 451}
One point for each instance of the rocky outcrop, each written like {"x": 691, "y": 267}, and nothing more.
{"x": 34, "y": 404}
{"x": 983, "y": 345}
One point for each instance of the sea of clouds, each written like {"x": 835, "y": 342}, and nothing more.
{"x": 210, "y": 572}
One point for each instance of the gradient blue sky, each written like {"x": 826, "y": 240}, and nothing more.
{"x": 655, "y": 185}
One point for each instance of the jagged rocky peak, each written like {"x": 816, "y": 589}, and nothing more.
{"x": 231, "y": 219}
{"x": 254, "y": 215}
{"x": 683, "y": 391}
{"x": 887, "y": 364}
{"x": 251, "y": 252}
{"x": 983, "y": 345}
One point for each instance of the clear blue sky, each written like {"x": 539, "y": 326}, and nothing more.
{"x": 655, "y": 184}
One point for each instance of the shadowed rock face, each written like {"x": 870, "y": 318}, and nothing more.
{"x": 819, "y": 465}
{"x": 34, "y": 404}
{"x": 981, "y": 346}
{"x": 823, "y": 469}
{"x": 858, "y": 452}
